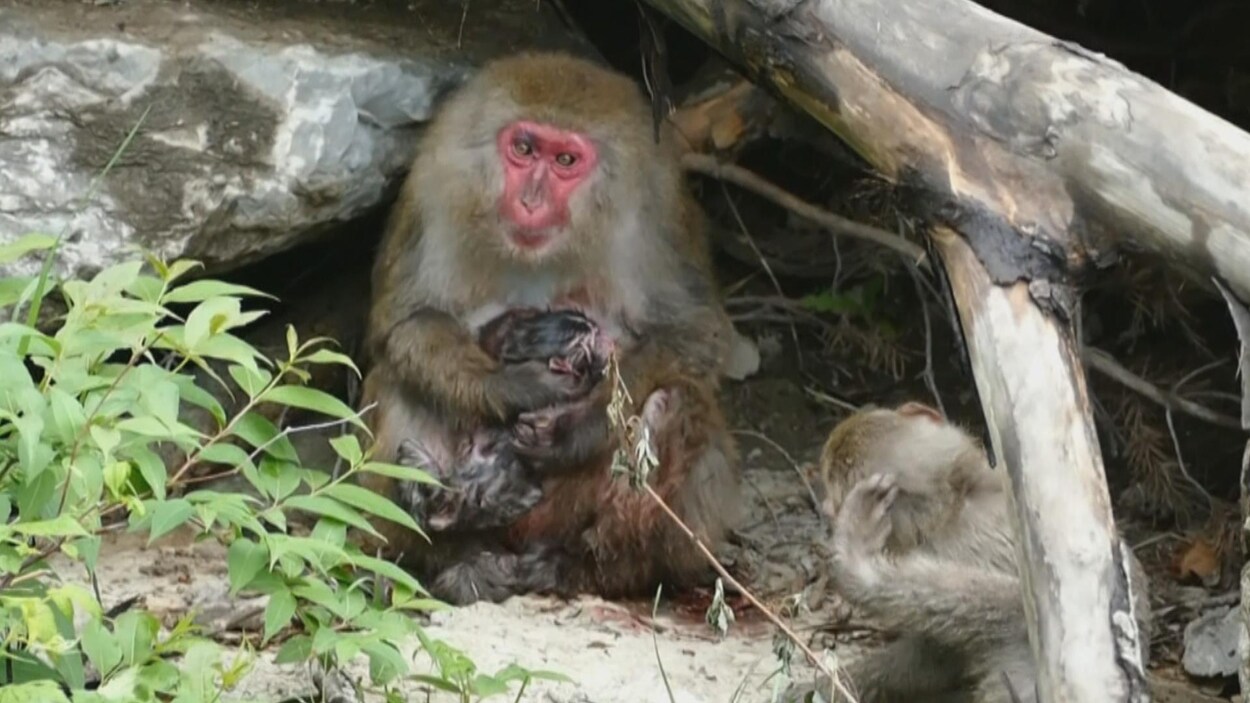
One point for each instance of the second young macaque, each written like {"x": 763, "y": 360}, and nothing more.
{"x": 539, "y": 186}
{"x": 923, "y": 546}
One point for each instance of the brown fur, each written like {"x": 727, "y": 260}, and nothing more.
{"x": 923, "y": 544}
{"x": 633, "y": 258}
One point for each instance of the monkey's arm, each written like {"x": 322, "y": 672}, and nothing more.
{"x": 431, "y": 351}
{"x": 960, "y": 604}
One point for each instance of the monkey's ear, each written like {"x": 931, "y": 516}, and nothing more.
{"x": 913, "y": 408}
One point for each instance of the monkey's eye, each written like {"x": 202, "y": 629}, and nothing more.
{"x": 566, "y": 159}
{"x": 522, "y": 148}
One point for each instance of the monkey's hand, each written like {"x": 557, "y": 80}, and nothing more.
{"x": 561, "y": 436}
{"x": 863, "y": 523}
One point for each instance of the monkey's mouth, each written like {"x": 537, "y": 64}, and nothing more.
{"x": 529, "y": 239}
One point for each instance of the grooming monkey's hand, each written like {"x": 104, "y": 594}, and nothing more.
{"x": 864, "y": 524}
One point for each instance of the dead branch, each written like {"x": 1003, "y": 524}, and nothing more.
{"x": 1036, "y": 151}
{"x": 739, "y": 176}
{"x": 1106, "y": 364}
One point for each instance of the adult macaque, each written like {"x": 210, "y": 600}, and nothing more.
{"x": 923, "y": 545}
{"x": 539, "y": 185}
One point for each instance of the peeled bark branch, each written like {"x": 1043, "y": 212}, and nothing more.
{"x": 1032, "y": 389}
{"x": 1040, "y": 154}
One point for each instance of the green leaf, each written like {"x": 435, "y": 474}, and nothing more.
{"x": 210, "y": 317}
{"x": 244, "y": 560}
{"x": 388, "y": 570}
{"x": 147, "y": 288}
{"x": 14, "y": 288}
{"x": 151, "y": 468}
{"x": 277, "y": 478}
{"x": 179, "y": 268}
{"x": 67, "y": 415}
{"x": 325, "y": 356}
{"x": 159, "y": 396}
{"x": 100, "y": 647}
{"x": 400, "y": 473}
{"x": 199, "y": 397}
{"x": 251, "y": 380}
{"x": 135, "y": 631}
{"x": 116, "y": 476}
{"x": 370, "y": 502}
{"x": 292, "y": 342}
{"x": 278, "y": 613}
{"x": 32, "y": 692}
{"x": 168, "y": 516}
{"x": 106, "y": 438}
{"x": 348, "y": 447}
{"x": 228, "y": 347}
{"x": 147, "y": 426}
{"x": 35, "y": 497}
{"x": 32, "y": 454}
{"x": 319, "y": 505}
{"x": 63, "y": 525}
{"x": 231, "y": 455}
{"x": 197, "y": 291}
{"x": 295, "y": 650}
{"x": 312, "y": 399}
{"x": 258, "y": 431}
{"x": 385, "y": 662}
{"x": 24, "y": 245}
{"x": 116, "y": 278}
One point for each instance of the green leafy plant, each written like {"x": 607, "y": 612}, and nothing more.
{"x": 86, "y": 415}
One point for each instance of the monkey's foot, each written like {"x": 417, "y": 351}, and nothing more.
{"x": 864, "y": 520}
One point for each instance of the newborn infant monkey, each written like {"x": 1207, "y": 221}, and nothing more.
{"x": 924, "y": 546}
{"x": 489, "y": 481}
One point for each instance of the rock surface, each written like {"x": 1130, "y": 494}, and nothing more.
{"x": 1211, "y": 643}
{"x": 266, "y": 123}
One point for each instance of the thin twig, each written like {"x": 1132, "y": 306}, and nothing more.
{"x": 794, "y": 332}
{"x": 724, "y": 574}
{"x": 739, "y": 176}
{"x": 1104, "y": 363}
{"x": 929, "y": 379}
{"x": 827, "y": 399}
{"x": 1180, "y": 461}
{"x": 464, "y": 15}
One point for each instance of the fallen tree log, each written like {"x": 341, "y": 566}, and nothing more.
{"x": 1031, "y": 159}
{"x": 1032, "y": 388}
{"x": 1043, "y": 155}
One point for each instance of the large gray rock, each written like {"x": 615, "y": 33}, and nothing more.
{"x": 1211, "y": 643}
{"x": 266, "y": 123}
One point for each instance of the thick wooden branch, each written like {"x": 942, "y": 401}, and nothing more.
{"x": 1039, "y": 153}
{"x": 1033, "y": 393}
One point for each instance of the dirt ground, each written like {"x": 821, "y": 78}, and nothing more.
{"x": 612, "y": 651}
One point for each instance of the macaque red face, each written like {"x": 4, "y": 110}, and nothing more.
{"x": 542, "y": 167}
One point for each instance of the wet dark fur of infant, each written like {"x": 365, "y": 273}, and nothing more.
{"x": 923, "y": 546}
